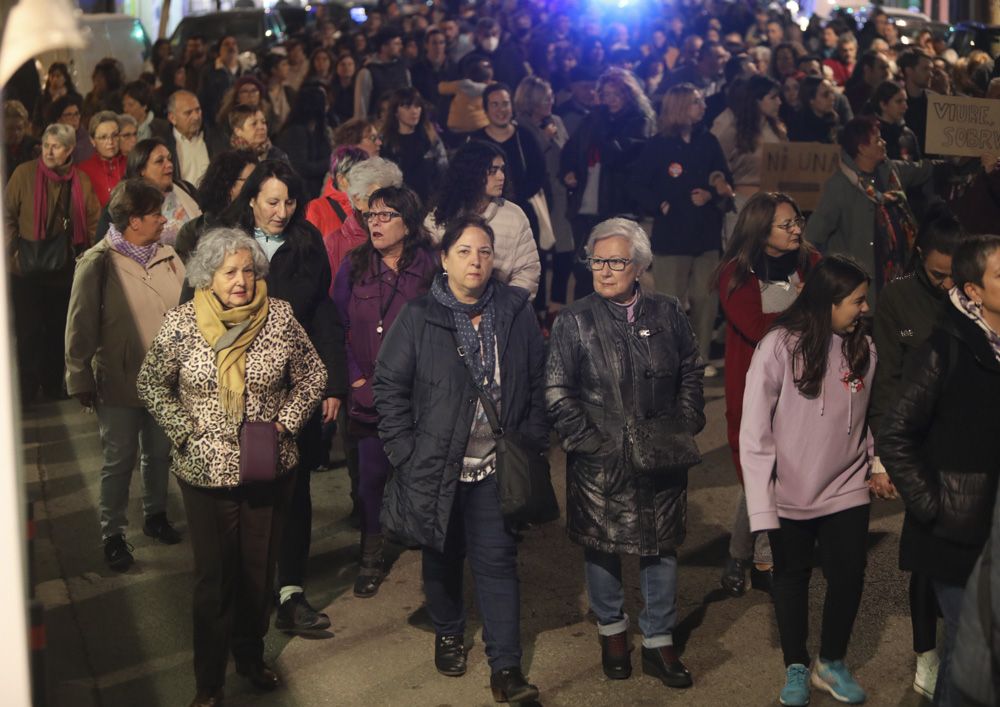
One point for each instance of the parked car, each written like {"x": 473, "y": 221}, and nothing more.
{"x": 966, "y": 36}
{"x": 111, "y": 35}
{"x": 256, "y": 30}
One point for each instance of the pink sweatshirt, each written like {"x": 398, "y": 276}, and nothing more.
{"x": 803, "y": 457}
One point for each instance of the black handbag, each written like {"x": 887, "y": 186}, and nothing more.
{"x": 54, "y": 253}
{"x": 523, "y": 477}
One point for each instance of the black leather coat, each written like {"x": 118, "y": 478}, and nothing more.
{"x": 426, "y": 402}
{"x": 940, "y": 443}
{"x": 609, "y": 506}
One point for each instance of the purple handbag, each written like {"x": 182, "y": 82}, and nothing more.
{"x": 258, "y": 452}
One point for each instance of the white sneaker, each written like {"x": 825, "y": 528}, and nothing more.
{"x": 711, "y": 371}
{"x": 925, "y": 678}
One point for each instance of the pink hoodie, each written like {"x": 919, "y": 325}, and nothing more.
{"x": 803, "y": 457}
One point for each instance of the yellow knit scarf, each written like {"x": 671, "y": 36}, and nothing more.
{"x": 215, "y": 321}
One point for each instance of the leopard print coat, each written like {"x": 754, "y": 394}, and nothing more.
{"x": 178, "y": 382}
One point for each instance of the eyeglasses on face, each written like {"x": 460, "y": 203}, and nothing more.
{"x": 616, "y": 264}
{"x": 798, "y": 223}
{"x": 126, "y": 136}
{"x": 107, "y": 138}
{"x": 379, "y": 216}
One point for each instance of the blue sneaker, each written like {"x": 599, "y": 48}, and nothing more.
{"x": 833, "y": 676}
{"x": 795, "y": 693}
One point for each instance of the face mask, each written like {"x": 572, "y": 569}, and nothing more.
{"x": 490, "y": 44}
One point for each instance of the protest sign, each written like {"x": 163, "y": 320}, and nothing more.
{"x": 799, "y": 169}
{"x": 957, "y": 125}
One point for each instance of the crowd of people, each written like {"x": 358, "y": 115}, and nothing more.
{"x": 527, "y": 216}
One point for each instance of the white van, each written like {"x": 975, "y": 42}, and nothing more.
{"x": 114, "y": 35}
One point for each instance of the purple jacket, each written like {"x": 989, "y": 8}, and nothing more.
{"x": 803, "y": 457}
{"x": 372, "y": 301}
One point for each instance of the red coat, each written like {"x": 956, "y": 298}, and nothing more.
{"x": 341, "y": 242}
{"x": 321, "y": 214}
{"x": 746, "y": 325}
{"x": 104, "y": 175}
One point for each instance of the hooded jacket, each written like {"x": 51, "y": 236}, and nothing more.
{"x": 803, "y": 457}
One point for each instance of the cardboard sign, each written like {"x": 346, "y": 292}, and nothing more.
{"x": 799, "y": 169}
{"x": 957, "y": 125}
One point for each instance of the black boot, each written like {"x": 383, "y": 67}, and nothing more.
{"x": 734, "y": 577}
{"x": 510, "y": 685}
{"x": 449, "y": 655}
{"x": 664, "y": 663}
{"x": 615, "y": 657}
{"x": 372, "y": 570}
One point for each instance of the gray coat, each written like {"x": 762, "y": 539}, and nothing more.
{"x": 844, "y": 220}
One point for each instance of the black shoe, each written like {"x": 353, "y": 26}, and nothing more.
{"x": 449, "y": 655}
{"x": 615, "y": 656}
{"x": 367, "y": 583}
{"x": 762, "y": 580}
{"x": 259, "y": 674}
{"x": 118, "y": 553}
{"x": 372, "y": 570}
{"x": 734, "y": 577}
{"x": 207, "y": 698}
{"x": 297, "y": 616}
{"x": 157, "y": 526}
{"x": 510, "y": 685}
{"x": 664, "y": 664}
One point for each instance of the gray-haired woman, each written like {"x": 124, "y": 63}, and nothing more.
{"x": 41, "y": 252}
{"x": 624, "y": 392}
{"x": 196, "y": 382}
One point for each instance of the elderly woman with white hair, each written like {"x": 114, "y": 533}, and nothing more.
{"x": 624, "y": 392}
{"x": 50, "y": 216}
{"x": 232, "y": 356}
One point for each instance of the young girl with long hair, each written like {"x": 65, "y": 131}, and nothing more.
{"x": 410, "y": 140}
{"x": 759, "y": 277}
{"x": 806, "y": 452}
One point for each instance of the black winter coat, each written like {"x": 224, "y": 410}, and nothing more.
{"x": 426, "y": 402}
{"x": 940, "y": 444}
{"x": 610, "y": 507}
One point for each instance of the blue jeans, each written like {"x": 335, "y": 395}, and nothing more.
{"x": 658, "y": 582}
{"x": 949, "y": 598}
{"x": 477, "y": 528}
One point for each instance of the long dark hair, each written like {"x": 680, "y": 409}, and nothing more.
{"x": 390, "y": 131}
{"x": 464, "y": 182}
{"x": 885, "y": 92}
{"x": 808, "y": 326}
{"x": 753, "y": 228}
{"x": 748, "y": 113}
{"x": 365, "y": 258}
{"x": 223, "y": 171}
{"x": 239, "y": 214}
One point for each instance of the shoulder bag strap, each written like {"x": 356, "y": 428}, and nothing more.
{"x": 488, "y": 407}
{"x": 337, "y": 208}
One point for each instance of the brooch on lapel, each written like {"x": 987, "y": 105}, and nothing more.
{"x": 853, "y": 383}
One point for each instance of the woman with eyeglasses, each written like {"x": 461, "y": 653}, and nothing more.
{"x": 106, "y": 167}
{"x": 624, "y": 373}
{"x": 395, "y": 265}
{"x": 761, "y": 274}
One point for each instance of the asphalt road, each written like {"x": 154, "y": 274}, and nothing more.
{"x": 124, "y": 640}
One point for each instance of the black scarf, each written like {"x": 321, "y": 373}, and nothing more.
{"x": 479, "y": 347}
{"x": 776, "y": 269}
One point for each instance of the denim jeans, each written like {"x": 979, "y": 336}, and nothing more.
{"x": 477, "y": 529}
{"x": 658, "y": 582}
{"x": 949, "y": 598}
{"x": 128, "y": 433}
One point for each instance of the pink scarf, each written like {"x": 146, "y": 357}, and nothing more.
{"x": 78, "y": 209}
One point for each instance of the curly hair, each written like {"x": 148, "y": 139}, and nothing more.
{"x": 211, "y": 253}
{"x": 628, "y": 84}
{"x": 223, "y": 171}
{"x": 365, "y": 257}
{"x": 464, "y": 183}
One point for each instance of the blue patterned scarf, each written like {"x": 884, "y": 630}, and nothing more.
{"x": 479, "y": 347}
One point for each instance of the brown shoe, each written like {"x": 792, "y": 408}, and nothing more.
{"x": 259, "y": 674}
{"x": 207, "y": 698}
{"x": 664, "y": 664}
{"x": 615, "y": 657}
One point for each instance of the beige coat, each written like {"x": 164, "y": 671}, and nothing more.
{"x": 285, "y": 380}
{"x": 115, "y": 309}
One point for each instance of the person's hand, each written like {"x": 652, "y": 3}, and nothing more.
{"x": 700, "y": 197}
{"x": 359, "y": 382}
{"x": 570, "y": 180}
{"x": 87, "y": 400}
{"x": 551, "y": 130}
{"x": 990, "y": 162}
{"x": 724, "y": 190}
{"x": 281, "y": 428}
{"x": 798, "y": 287}
{"x": 882, "y": 487}
{"x": 331, "y": 407}
{"x": 664, "y": 207}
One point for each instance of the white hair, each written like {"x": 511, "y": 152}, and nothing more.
{"x": 214, "y": 246}
{"x": 371, "y": 172}
{"x": 638, "y": 242}
{"x": 63, "y": 133}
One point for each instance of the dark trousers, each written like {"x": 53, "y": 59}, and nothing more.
{"x": 923, "y": 612}
{"x": 843, "y": 545}
{"x": 561, "y": 265}
{"x": 40, "y": 306}
{"x": 584, "y": 283}
{"x": 477, "y": 528}
{"x": 297, "y": 534}
{"x": 235, "y": 534}
{"x": 374, "y": 468}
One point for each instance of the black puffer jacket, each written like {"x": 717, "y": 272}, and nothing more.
{"x": 610, "y": 507}
{"x": 940, "y": 443}
{"x": 426, "y": 402}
